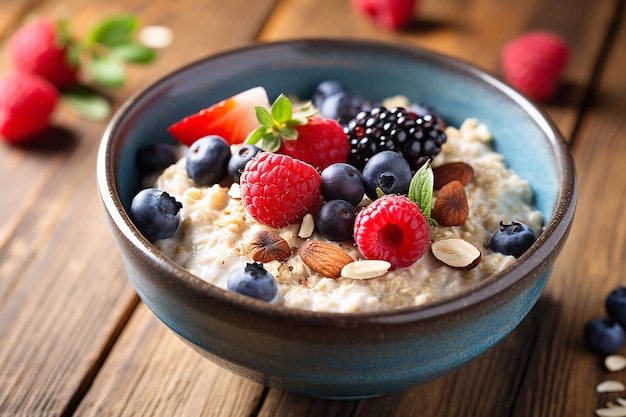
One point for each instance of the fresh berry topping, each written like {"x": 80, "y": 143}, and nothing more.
{"x": 604, "y": 336}
{"x": 326, "y": 89}
{"x": 41, "y": 47}
{"x": 254, "y": 281}
{"x": 534, "y": 63}
{"x": 239, "y": 159}
{"x": 155, "y": 213}
{"x": 418, "y": 139}
{"x": 26, "y": 104}
{"x": 233, "y": 118}
{"x": 512, "y": 239}
{"x": 278, "y": 190}
{"x": 422, "y": 109}
{"x": 392, "y": 229}
{"x": 334, "y": 101}
{"x": 313, "y": 139}
{"x": 207, "y": 160}
{"x": 387, "y": 171}
{"x": 335, "y": 220}
{"x": 342, "y": 181}
{"x": 389, "y": 14}
{"x": 155, "y": 158}
{"x": 616, "y": 305}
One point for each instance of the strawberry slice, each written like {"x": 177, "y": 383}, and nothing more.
{"x": 232, "y": 118}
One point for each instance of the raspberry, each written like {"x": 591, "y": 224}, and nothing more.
{"x": 534, "y": 63}
{"x": 26, "y": 103}
{"x": 278, "y": 190}
{"x": 389, "y": 14}
{"x": 393, "y": 229}
{"x": 39, "y": 48}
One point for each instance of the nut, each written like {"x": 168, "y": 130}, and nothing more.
{"x": 365, "y": 269}
{"x": 446, "y": 173}
{"x": 307, "y": 226}
{"x": 324, "y": 258}
{"x": 456, "y": 253}
{"x": 451, "y": 208}
{"x": 267, "y": 245}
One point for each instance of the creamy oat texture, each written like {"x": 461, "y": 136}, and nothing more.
{"x": 216, "y": 229}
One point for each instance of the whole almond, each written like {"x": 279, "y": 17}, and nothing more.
{"x": 451, "y": 207}
{"x": 267, "y": 246}
{"x": 324, "y": 258}
{"x": 446, "y": 173}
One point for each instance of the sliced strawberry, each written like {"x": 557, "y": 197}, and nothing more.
{"x": 232, "y": 118}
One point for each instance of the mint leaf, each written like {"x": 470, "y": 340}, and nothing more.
{"x": 282, "y": 109}
{"x": 87, "y": 102}
{"x": 108, "y": 72}
{"x": 421, "y": 189}
{"x": 115, "y": 30}
{"x": 132, "y": 52}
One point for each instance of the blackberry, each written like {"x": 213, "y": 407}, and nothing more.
{"x": 416, "y": 138}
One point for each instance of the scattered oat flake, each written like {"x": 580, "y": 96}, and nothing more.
{"x": 610, "y": 386}
{"x": 611, "y": 412}
{"x": 235, "y": 191}
{"x": 155, "y": 36}
{"x": 615, "y": 362}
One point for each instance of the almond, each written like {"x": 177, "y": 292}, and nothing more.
{"x": 324, "y": 258}
{"x": 451, "y": 207}
{"x": 365, "y": 269}
{"x": 267, "y": 245}
{"x": 446, "y": 173}
{"x": 456, "y": 253}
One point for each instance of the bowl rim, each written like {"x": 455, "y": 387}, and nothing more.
{"x": 534, "y": 261}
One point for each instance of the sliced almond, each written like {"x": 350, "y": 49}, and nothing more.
{"x": 456, "y": 253}
{"x": 451, "y": 207}
{"x": 615, "y": 362}
{"x": 611, "y": 412}
{"x": 610, "y": 386}
{"x": 267, "y": 246}
{"x": 446, "y": 173}
{"x": 365, "y": 269}
{"x": 307, "y": 226}
{"x": 324, "y": 258}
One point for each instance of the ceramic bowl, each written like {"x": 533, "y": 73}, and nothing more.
{"x": 334, "y": 355}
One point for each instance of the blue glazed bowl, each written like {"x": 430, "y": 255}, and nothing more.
{"x": 335, "y": 355}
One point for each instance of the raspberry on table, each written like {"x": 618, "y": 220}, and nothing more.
{"x": 278, "y": 190}
{"x": 392, "y": 229}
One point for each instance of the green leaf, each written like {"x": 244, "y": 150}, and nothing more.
{"x": 271, "y": 142}
{"x": 112, "y": 31}
{"x": 282, "y": 109}
{"x": 264, "y": 117}
{"x": 289, "y": 133}
{"x": 421, "y": 189}
{"x": 305, "y": 112}
{"x": 108, "y": 72}
{"x": 132, "y": 52}
{"x": 87, "y": 102}
{"x": 256, "y": 135}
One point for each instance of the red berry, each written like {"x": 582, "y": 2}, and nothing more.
{"x": 389, "y": 14}
{"x": 534, "y": 63}
{"x": 321, "y": 142}
{"x": 278, "y": 190}
{"x": 392, "y": 229}
{"x": 26, "y": 103}
{"x": 38, "y": 48}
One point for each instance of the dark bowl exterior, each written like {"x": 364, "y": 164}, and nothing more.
{"x": 324, "y": 354}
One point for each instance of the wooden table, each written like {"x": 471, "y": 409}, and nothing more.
{"x": 76, "y": 341}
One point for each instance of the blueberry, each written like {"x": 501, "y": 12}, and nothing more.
{"x": 254, "y": 281}
{"x": 342, "y": 181}
{"x": 389, "y": 171}
{"x": 342, "y": 106}
{"x": 207, "y": 160}
{"x": 604, "y": 336}
{"x": 155, "y": 158}
{"x": 335, "y": 220}
{"x": 238, "y": 160}
{"x": 326, "y": 89}
{"x": 155, "y": 213}
{"x": 616, "y": 305}
{"x": 421, "y": 109}
{"x": 512, "y": 239}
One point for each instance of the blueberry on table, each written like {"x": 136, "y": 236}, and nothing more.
{"x": 342, "y": 181}
{"x": 616, "y": 305}
{"x": 335, "y": 220}
{"x": 512, "y": 239}
{"x": 604, "y": 336}
{"x": 155, "y": 158}
{"x": 155, "y": 213}
{"x": 239, "y": 159}
{"x": 207, "y": 160}
{"x": 254, "y": 281}
{"x": 389, "y": 171}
